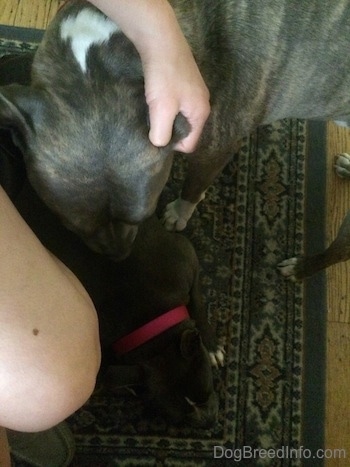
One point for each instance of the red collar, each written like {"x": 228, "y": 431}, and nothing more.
{"x": 149, "y": 330}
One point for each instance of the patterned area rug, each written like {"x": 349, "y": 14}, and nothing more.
{"x": 271, "y": 388}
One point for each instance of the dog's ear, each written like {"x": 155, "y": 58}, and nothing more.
{"x": 20, "y": 107}
{"x": 16, "y": 68}
{"x": 181, "y": 128}
{"x": 190, "y": 343}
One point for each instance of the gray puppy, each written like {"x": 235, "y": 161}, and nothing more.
{"x": 154, "y": 329}
{"x": 83, "y": 123}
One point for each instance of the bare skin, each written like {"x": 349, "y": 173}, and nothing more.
{"x": 49, "y": 342}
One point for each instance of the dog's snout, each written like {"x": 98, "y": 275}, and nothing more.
{"x": 114, "y": 239}
{"x": 205, "y": 415}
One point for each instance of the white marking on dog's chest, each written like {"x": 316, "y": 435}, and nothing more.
{"x": 87, "y": 28}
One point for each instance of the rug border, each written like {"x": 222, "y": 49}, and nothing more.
{"x": 17, "y": 33}
{"x": 315, "y": 296}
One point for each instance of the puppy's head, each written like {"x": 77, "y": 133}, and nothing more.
{"x": 89, "y": 157}
{"x": 178, "y": 381}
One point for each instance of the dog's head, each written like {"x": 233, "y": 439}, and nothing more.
{"x": 89, "y": 158}
{"x": 178, "y": 381}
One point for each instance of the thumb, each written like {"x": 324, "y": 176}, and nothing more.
{"x": 161, "y": 115}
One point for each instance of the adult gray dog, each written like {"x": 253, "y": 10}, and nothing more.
{"x": 153, "y": 324}
{"x": 83, "y": 123}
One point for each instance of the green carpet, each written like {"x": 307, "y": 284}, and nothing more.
{"x": 266, "y": 206}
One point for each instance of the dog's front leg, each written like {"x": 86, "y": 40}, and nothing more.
{"x": 338, "y": 251}
{"x": 198, "y": 313}
{"x": 203, "y": 168}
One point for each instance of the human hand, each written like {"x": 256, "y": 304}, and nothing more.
{"x": 174, "y": 84}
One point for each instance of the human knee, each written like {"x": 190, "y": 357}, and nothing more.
{"x": 37, "y": 393}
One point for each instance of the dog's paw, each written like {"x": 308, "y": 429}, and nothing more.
{"x": 177, "y": 214}
{"x": 172, "y": 219}
{"x": 342, "y": 165}
{"x": 217, "y": 358}
{"x": 288, "y": 268}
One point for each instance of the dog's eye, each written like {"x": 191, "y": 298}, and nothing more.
{"x": 192, "y": 403}
{"x": 195, "y": 404}
{"x": 188, "y": 400}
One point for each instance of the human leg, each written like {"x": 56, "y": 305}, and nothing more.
{"x": 49, "y": 339}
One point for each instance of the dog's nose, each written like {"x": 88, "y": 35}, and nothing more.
{"x": 203, "y": 420}
{"x": 208, "y": 424}
{"x": 114, "y": 239}
{"x": 206, "y": 415}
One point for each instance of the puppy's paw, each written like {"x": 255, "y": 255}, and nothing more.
{"x": 342, "y": 165}
{"x": 217, "y": 358}
{"x": 177, "y": 214}
{"x": 288, "y": 268}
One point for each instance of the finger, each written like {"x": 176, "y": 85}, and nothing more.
{"x": 189, "y": 143}
{"x": 162, "y": 116}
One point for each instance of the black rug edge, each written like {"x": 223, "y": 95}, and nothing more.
{"x": 21, "y": 34}
{"x": 315, "y": 298}
{"x": 314, "y": 360}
